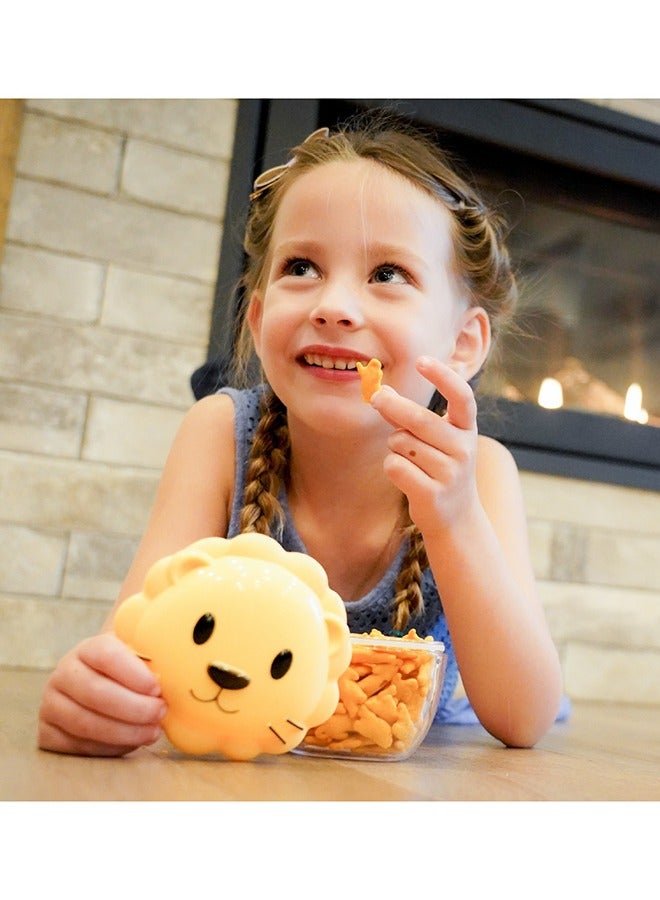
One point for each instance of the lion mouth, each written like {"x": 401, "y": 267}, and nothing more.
{"x": 215, "y": 699}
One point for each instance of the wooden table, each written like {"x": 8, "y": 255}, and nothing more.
{"x": 604, "y": 752}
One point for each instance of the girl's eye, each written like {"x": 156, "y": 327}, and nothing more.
{"x": 300, "y": 268}
{"x": 389, "y": 275}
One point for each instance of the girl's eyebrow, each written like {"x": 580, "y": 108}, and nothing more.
{"x": 390, "y": 252}
{"x": 302, "y": 247}
{"x": 374, "y": 250}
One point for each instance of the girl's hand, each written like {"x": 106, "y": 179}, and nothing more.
{"x": 101, "y": 700}
{"x": 432, "y": 459}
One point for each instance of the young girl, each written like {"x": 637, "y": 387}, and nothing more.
{"x": 365, "y": 244}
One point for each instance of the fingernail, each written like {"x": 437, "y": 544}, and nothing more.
{"x": 384, "y": 388}
{"x": 156, "y": 734}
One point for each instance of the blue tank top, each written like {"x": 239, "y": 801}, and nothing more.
{"x": 374, "y": 610}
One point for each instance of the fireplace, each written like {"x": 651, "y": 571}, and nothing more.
{"x": 576, "y": 389}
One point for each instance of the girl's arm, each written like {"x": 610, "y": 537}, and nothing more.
{"x": 464, "y": 496}
{"x": 101, "y": 700}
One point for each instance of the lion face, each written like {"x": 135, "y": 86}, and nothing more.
{"x": 248, "y": 641}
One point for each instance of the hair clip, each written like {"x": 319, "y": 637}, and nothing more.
{"x": 270, "y": 176}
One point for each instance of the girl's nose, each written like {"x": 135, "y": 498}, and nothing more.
{"x": 337, "y": 305}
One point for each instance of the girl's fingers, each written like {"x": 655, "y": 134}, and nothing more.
{"x": 402, "y": 413}
{"x": 57, "y": 741}
{"x": 109, "y": 656}
{"x": 101, "y": 700}
{"x": 99, "y": 694}
{"x": 54, "y": 737}
{"x": 63, "y": 714}
{"x": 405, "y": 414}
{"x": 461, "y": 405}
{"x": 423, "y": 456}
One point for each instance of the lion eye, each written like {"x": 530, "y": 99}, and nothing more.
{"x": 203, "y": 629}
{"x": 281, "y": 664}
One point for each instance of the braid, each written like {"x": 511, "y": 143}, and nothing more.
{"x": 267, "y": 469}
{"x": 408, "y": 597}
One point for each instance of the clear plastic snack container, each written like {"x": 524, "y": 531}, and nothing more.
{"x": 388, "y": 697}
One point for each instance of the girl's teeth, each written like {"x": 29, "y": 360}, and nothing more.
{"x": 328, "y": 362}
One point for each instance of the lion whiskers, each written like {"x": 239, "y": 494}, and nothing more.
{"x": 291, "y": 722}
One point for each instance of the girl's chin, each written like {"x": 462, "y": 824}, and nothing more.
{"x": 334, "y": 413}
{"x": 343, "y": 384}
{"x": 319, "y": 385}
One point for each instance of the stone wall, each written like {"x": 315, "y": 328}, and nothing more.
{"x": 106, "y": 291}
{"x": 595, "y": 550}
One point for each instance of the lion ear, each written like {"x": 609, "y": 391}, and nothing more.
{"x": 163, "y": 573}
{"x": 182, "y": 564}
{"x": 339, "y": 658}
{"x": 127, "y": 617}
{"x": 339, "y": 644}
{"x": 169, "y": 569}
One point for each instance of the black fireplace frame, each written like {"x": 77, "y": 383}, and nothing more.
{"x": 613, "y": 160}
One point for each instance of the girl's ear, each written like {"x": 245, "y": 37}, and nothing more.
{"x": 472, "y": 342}
{"x": 254, "y": 314}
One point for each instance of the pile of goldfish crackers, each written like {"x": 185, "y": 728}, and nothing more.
{"x": 382, "y": 696}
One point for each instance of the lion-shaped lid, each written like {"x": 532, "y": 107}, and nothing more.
{"x": 248, "y": 641}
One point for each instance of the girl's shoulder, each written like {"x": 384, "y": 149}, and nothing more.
{"x": 215, "y": 412}
{"x": 220, "y": 426}
{"x": 497, "y": 472}
{"x": 491, "y": 453}
{"x": 204, "y": 442}
{"x": 500, "y": 488}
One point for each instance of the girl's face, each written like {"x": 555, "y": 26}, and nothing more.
{"x": 361, "y": 265}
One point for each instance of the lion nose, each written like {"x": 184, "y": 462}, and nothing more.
{"x": 226, "y": 678}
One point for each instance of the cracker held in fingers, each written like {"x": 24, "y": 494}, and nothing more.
{"x": 371, "y": 377}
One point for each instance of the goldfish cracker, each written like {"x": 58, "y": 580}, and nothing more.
{"x": 360, "y": 670}
{"x": 336, "y": 728}
{"x": 403, "y": 730}
{"x": 373, "y": 728}
{"x": 371, "y": 377}
{"x": 384, "y": 706}
{"x": 406, "y": 688}
{"x": 385, "y": 670}
{"x": 353, "y": 697}
{"x": 364, "y": 656}
{"x": 408, "y": 668}
{"x": 371, "y": 684}
{"x": 353, "y": 743}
